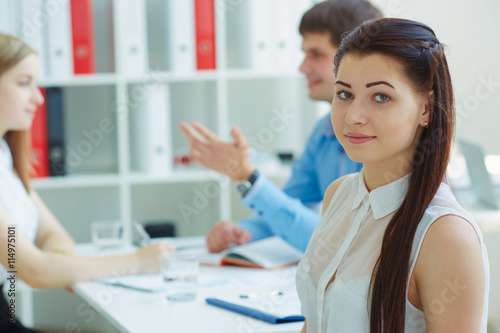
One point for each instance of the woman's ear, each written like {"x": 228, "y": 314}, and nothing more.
{"x": 428, "y": 105}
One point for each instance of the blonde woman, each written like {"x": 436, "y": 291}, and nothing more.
{"x": 43, "y": 256}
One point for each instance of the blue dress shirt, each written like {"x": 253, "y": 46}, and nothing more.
{"x": 291, "y": 212}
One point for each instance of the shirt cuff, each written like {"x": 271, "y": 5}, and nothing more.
{"x": 257, "y": 227}
{"x": 253, "y": 191}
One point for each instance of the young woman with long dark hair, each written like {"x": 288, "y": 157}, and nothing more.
{"x": 394, "y": 251}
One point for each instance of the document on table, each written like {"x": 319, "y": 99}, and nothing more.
{"x": 154, "y": 282}
{"x": 272, "y": 307}
{"x": 144, "y": 282}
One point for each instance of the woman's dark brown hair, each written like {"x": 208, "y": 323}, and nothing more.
{"x": 415, "y": 47}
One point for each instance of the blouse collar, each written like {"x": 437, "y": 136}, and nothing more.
{"x": 384, "y": 200}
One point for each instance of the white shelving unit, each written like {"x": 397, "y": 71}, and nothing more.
{"x": 103, "y": 181}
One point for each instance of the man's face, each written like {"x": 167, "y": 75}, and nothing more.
{"x": 318, "y": 65}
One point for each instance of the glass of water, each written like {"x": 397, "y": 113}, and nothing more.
{"x": 107, "y": 234}
{"x": 180, "y": 275}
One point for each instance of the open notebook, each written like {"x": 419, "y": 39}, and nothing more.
{"x": 268, "y": 253}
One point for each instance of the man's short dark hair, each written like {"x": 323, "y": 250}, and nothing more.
{"x": 337, "y": 17}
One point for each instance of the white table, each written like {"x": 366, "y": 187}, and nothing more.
{"x": 134, "y": 311}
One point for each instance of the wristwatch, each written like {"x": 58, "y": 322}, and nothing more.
{"x": 244, "y": 186}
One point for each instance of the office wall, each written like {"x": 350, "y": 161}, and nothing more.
{"x": 471, "y": 31}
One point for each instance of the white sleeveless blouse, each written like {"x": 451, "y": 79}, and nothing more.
{"x": 348, "y": 240}
{"x": 15, "y": 201}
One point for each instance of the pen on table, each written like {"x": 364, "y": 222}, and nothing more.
{"x": 265, "y": 293}
{"x": 144, "y": 235}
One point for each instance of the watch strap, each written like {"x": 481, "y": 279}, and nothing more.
{"x": 253, "y": 177}
{"x": 244, "y": 186}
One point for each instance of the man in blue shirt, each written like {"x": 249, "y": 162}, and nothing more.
{"x": 289, "y": 212}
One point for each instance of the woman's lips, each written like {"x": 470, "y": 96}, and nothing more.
{"x": 358, "y": 138}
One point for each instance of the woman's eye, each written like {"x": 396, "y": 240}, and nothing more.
{"x": 24, "y": 83}
{"x": 382, "y": 98}
{"x": 344, "y": 95}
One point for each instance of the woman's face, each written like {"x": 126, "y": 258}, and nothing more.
{"x": 377, "y": 116}
{"x": 19, "y": 95}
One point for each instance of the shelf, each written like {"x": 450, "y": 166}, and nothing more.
{"x": 238, "y": 74}
{"x": 246, "y": 74}
{"x": 152, "y": 76}
{"x": 177, "y": 176}
{"x": 80, "y": 80}
{"x": 80, "y": 181}
{"x": 76, "y": 181}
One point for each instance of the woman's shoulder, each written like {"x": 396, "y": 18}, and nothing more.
{"x": 451, "y": 232}
{"x": 447, "y": 231}
{"x": 452, "y": 260}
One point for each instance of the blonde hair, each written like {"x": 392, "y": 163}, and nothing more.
{"x": 12, "y": 51}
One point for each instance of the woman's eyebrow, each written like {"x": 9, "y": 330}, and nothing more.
{"x": 368, "y": 85}
{"x": 343, "y": 83}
